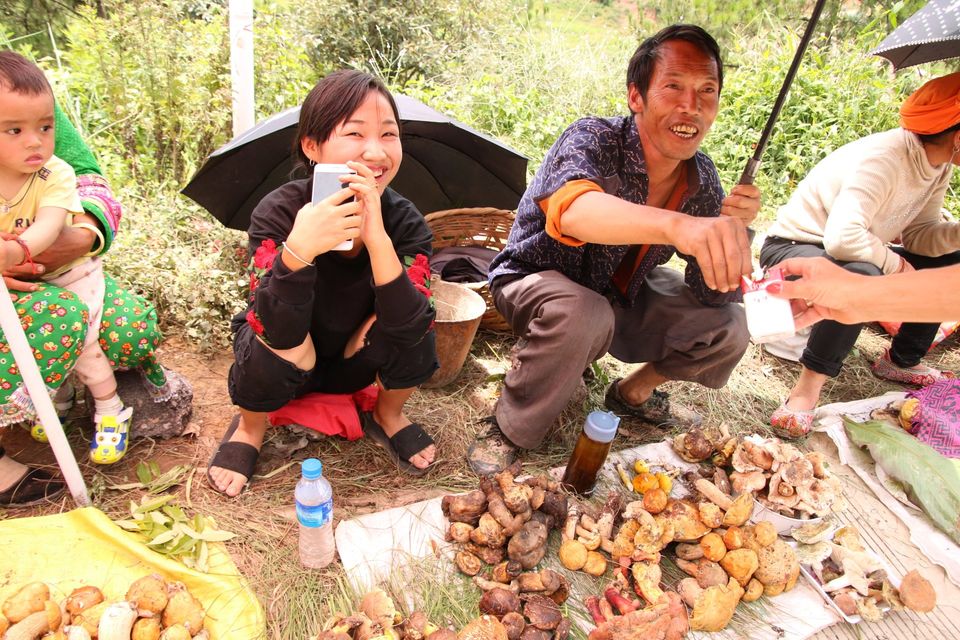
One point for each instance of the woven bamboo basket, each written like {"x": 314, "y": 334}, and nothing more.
{"x": 476, "y": 227}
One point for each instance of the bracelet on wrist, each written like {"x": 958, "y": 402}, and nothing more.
{"x": 293, "y": 255}
{"x": 99, "y": 241}
{"x": 26, "y": 253}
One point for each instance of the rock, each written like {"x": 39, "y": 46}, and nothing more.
{"x": 166, "y": 419}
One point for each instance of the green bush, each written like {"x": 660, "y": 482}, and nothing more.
{"x": 151, "y": 85}
{"x": 403, "y": 42}
{"x": 528, "y": 86}
{"x": 192, "y": 271}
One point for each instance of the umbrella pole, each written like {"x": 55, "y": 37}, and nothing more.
{"x": 33, "y": 381}
{"x": 753, "y": 164}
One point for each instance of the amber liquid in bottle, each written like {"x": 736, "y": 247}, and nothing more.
{"x": 584, "y": 464}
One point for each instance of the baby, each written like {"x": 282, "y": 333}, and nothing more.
{"x": 38, "y": 197}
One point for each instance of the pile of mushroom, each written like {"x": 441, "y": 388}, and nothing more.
{"x": 505, "y": 524}
{"x": 583, "y": 536}
{"x": 853, "y": 576}
{"x": 666, "y": 620}
{"x": 524, "y": 616}
{"x": 379, "y": 617}
{"x": 783, "y": 478}
{"x": 152, "y": 610}
{"x": 728, "y": 560}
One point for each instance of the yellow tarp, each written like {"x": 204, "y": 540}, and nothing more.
{"x": 83, "y": 547}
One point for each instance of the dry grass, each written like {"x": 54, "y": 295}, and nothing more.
{"x": 298, "y": 600}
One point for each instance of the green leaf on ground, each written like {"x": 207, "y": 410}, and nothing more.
{"x": 931, "y": 480}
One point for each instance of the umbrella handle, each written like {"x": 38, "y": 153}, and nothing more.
{"x": 33, "y": 381}
{"x": 753, "y": 165}
{"x": 750, "y": 171}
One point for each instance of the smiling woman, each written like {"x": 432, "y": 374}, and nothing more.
{"x": 322, "y": 320}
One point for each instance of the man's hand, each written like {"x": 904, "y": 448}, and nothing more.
{"x": 742, "y": 202}
{"x": 720, "y": 247}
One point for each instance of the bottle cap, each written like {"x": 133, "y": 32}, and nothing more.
{"x": 601, "y": 426}
{"x": 312, "y": 468}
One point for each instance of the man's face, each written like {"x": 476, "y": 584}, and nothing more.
{"x": 681, "y": 103}
{"x": 26, "y": 131}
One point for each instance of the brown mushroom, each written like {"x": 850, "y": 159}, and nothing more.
{"x": 467, "y": 563}
{"x": 542, "y": 612}
{"x": 917, "y": 593}
{"x": 514, "y": 623}
{"x": 747, "y": 482}
{"x": 467, "y": 507}
{"x": 499, "y": 602}
{"x": 529, "y": 545}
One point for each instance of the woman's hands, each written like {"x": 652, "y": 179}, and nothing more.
{"x": 383, "y": 257}
{"x": 321, "y": 226}
{"x": 364, "y": 185}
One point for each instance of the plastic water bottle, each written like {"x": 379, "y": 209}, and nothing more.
{"x": 314, "y": 498}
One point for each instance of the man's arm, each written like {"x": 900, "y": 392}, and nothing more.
{"x": 719, "y": 245}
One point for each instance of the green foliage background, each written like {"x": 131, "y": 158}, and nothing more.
{"x": 147, "y": 81}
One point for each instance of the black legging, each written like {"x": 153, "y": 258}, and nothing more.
{"x": 831, "y": 341}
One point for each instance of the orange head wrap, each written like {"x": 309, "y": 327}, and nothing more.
{"x": 934, "y": 107}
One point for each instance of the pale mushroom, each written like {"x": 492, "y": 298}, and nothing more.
{"x": 747, "y": 481}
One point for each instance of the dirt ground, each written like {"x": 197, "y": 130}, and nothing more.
{"x": 365, "y": 480}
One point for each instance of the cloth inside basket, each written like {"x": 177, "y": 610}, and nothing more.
{"x": 462, "y": 264}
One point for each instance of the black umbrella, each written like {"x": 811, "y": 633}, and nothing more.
{"x": 446, "y": 165}
{"x": 932, "y": 33}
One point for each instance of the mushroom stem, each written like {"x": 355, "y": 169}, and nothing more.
{"x": 593, "y": 606}
{"x": 618, "y": 602}
{"x": 570, "y": 526}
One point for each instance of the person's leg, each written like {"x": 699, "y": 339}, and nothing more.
{"x": 371, "y": 356}
{"x": 566, "y": 327}
{"x": 130, "y": 335}
{"x": 676, "y": 338}
{"x": 54, "y": 323}
{"x": 111, "y": 419}
{"x": 261, "y": 380}
{"x": 829, "y": 341}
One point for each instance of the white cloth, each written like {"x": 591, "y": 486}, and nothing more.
{"x": 934, "y": 544}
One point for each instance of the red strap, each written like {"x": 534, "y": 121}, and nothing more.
{"x": 26, "y": 253}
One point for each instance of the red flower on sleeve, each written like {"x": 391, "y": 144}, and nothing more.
{"x": 265, "y": 254}
{"x": 261, "y": 263}
{"x": 254, "y": 322}
{"x": 418, "y": 270}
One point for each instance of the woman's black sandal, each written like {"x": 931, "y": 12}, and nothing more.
{"x": 402, "y": 445}
{"x": 238, "y": 457}
{"x": 33, "y": 487}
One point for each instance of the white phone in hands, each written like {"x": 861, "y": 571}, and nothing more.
{"x": 326, "y": 183}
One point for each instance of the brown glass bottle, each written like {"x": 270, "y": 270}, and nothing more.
{"x": 590, "y": 452}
